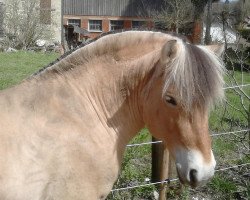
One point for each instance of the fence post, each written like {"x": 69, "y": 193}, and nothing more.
{"x": 160, "y": 166}
{"x": 248, "y": 126}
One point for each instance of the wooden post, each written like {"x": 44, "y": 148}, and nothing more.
{"x": 160, "y": 166}
{"x": 248, "y": 126}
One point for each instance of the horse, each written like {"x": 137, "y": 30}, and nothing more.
{"x": 64, "y": 129}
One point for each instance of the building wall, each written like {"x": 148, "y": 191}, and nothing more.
{"x": 107, "y": 10}
{"x": 106, "y": 22}
{"x": 56, "y": 26}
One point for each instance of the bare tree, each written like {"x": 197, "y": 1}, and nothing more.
{"x": 245, "y": 8}
{"x": 208, "y": 23}
{"x": 237, "y": 109}
{"x": 1, "y": 18}
{"x": 199, "y": 6}
{"x": 238, "y": 114}
{"x": 174, "y": 14}
{"x": 25, "y": 22}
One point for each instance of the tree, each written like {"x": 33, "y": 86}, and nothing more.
{"x": 199, "y": 6}
{"x": 1, "y": 18}
{"x": 245, "y": 8}
{"x": 25, "y": 23}
{"x": 228, "y": 16}
{"x": 245, "y": 20}
{"x": 208, "y": 23}
{"x": 174, "y": 14}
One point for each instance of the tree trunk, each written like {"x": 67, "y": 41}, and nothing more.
{"x": 208, "y": 24}
{"x": 248, "y": 126}
{"x": 224, "y": 18}
{"x": 198, "y": 15}
{"x": 197, "y": 32}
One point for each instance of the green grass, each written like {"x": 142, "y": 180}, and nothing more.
{"x": 135, "y": 168}
{"x": 225, "y": 117}
{"x": 231, "y": 149}
{"x": 222, "y": 148}
{"x": 15, "y": 67}
{"x": 223, "y": 187}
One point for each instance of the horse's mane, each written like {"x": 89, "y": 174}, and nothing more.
{"x": 197, "y": 76}
{"x": 196, "y": 73}
{"x": 68, "y": 53}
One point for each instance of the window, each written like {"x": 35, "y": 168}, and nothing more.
{"x": 115, "y": 25}
{"x": 45, "y": 11}
{"x": 74, "y": 22}
{"x": 138, "y": 24}
{"x": 95, "y": 25}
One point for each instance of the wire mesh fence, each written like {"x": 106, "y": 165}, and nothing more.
{"x": 228, "y": 128}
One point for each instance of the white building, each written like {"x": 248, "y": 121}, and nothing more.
{"x": 218, "y": 35}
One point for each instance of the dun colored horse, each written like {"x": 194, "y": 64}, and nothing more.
{"x": 64, "y": 130}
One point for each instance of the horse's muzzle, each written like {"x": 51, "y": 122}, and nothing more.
{"x": 191, "y": 168}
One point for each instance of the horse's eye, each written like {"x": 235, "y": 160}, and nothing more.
{"x": 170, "y": 100}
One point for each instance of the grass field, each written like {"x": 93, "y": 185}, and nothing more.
{"x": 14, "y": 67}
{"x": 229, "y": 150}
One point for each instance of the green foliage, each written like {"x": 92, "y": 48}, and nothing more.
{"x": 245, "y": 33}
{"x": 222, "y": 185}
{"x": 243, "y": 159}
{"x": 185, "y": 195}
{"x": 238, "y": 59}
{"x": 222, "y": 146}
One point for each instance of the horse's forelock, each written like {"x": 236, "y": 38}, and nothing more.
{"x": 196, "y": 74}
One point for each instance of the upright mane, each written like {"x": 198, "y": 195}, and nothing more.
{"x": 196, "y": 72}
{"x": 139, "y": 35}
{"x": 197, "y": 76}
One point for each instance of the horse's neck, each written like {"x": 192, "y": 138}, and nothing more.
{"x": 115, "y": 90}
{"x": 110, "y": 84}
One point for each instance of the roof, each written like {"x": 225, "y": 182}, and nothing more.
{"x": 79, "y": 30}
{"x": 125, "y": 8}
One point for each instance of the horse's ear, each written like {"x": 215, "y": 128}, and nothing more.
{"x": 168, "y": 51}
{"x": 218, "y": 49}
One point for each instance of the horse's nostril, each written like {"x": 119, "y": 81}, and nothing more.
{"x": 193, "y": 176}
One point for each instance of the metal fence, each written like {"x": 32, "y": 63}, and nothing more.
{"x": 176, "y": 179}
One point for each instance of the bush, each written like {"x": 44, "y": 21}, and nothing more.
{"x": 233, "y": 62}
{"x": 245, "y": 33}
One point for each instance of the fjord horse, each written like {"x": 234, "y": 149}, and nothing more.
{"x": 64, "y": 130}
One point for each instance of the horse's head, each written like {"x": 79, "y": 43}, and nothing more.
{"x": 186, "y": 81}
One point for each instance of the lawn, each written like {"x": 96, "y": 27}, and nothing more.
{"x": 229, "y": 150}
{"x": 16, "y": 66}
